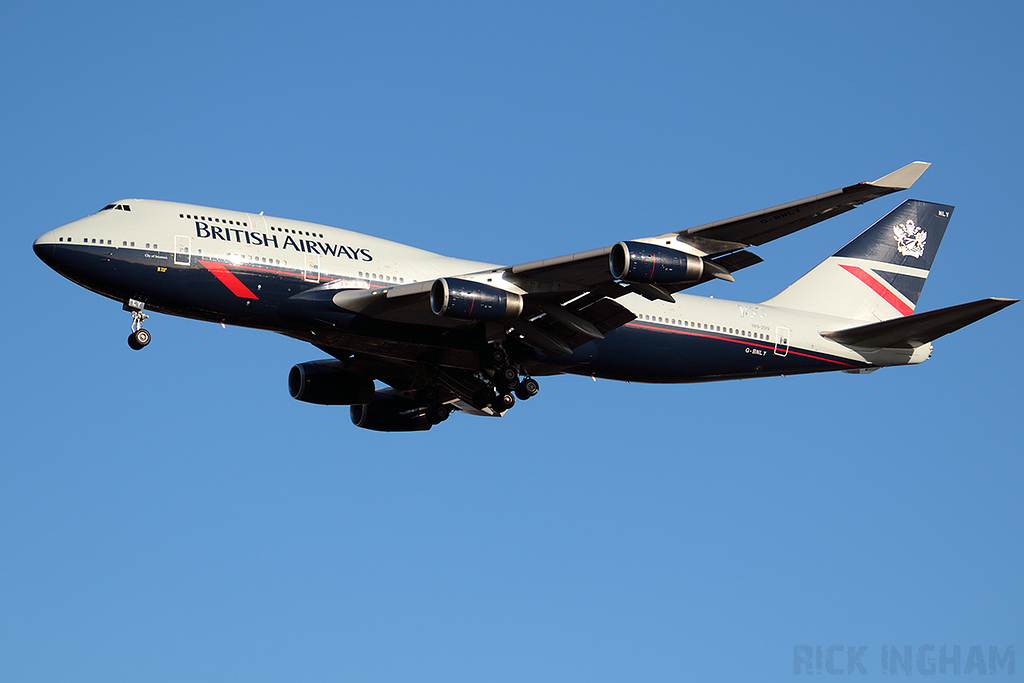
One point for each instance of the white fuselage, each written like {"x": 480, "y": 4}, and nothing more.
{"x": 172, "y": 236}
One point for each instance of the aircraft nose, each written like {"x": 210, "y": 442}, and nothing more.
{"x": 44, "y": 247}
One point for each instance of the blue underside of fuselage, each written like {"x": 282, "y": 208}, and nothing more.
{"x": 645, "y": 352}
{"x": 639, "y": 351}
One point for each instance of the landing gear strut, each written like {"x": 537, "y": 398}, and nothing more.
{"x": 139, "y": 338}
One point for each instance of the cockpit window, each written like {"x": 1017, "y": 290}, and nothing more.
{"x": 108, "y": 206}
{"x": 119, "y": 207}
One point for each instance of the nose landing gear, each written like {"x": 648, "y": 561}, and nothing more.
{"x": 139, "y": 338}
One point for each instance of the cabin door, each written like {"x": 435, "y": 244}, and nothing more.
{"x": 182, "y": 250}
{"x": 781, "y": 340}
{"x": 312, "y": 270}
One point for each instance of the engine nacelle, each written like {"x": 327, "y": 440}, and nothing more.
{"x": 651, "y": 264}
{"x": 391, "y": 414}
{"x": 326, "y": 383}
{"x": 465, "y": 300}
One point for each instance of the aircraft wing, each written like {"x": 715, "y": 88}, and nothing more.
{"x": 730, "y": 236}
{"x": 570, "y": 300}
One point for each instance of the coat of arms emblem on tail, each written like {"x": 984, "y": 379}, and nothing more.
{"x": 910, "y": 239}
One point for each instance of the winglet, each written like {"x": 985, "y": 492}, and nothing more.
{"x": 904, "y": 177}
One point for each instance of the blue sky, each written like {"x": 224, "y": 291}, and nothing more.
{"x": 173, "y": 515}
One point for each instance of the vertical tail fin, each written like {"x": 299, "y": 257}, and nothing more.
{"x": 880, "y": 274}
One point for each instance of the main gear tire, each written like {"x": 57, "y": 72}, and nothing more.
{"x": 528, "y": 388}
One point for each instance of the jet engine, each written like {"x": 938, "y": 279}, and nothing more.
{"x": 650, "y": 264}
{"x": 391, "y": 414}
{"x": 328, "y": 384}
{"x": 465, "y": 300}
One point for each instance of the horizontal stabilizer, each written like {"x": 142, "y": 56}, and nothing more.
{"x": 919, "y": 328}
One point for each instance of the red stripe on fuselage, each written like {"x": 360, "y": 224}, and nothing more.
{"x": 733, "y": 340}
{"x": 229, "y": 280}
{"x": 879, "y": 289}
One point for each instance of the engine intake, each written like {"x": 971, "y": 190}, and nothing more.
{"x": 465, "y": 300}
{"x": 328, "y": 384}
{"x": 651, "y": 264}
{"x": 391, "y": 414}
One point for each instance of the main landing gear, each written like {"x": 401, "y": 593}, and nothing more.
{"x": 437, "y": 412}
{"x": 139, "y": 338}
{"x": 504, "y": 385}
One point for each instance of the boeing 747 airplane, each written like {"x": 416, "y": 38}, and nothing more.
{"x": 440, "y": 334}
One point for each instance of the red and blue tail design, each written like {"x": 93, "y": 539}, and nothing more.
{"x": 880, "y": 274}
